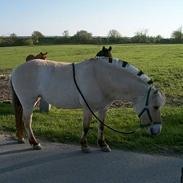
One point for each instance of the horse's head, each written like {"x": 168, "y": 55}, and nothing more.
{"x": 105, "y": 52}
{"x": 149, "y": 111}
{"x": 41, "y": 56}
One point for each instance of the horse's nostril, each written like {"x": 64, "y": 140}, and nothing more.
{"x": 155, "y": 129}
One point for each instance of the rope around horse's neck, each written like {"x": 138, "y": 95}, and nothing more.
{"x": 88, "y": 106}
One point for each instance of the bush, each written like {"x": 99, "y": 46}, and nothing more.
{"x": 28, "y": 42}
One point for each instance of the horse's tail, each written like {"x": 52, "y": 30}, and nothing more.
{"x": 18, "y": 113}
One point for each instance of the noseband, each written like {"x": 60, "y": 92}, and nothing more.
{"x": 146, "y": 109}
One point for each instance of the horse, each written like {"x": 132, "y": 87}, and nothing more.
{"x": 41, "y": 55}
{"x": 100, "y": 81}
{"x": 105, "y": 53}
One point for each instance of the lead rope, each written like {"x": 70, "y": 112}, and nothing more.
{"x": 97, "y": 118}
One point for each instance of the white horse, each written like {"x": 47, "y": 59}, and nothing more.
{"x": 100, "y": 81}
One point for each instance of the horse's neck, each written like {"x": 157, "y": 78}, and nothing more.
{"x": 119, "y": 84}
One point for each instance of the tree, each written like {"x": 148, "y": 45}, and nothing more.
{"x": 12, "y": 39}
{"x": 36, "y": 35}
{"x": 1, "y": 41}
{"x": 82, "y": 36}
{"x": 158, "y": 39}
{"x": 141, "y": 37}
{"x": 13, "y": 36}
{"x": 28, "y": 42}
{"x": 114, "y": 34}
{"x": 177, "y": 35}
{"x": 65, "y": 33}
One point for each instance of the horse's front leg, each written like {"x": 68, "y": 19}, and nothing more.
{"x": 101, "y": 139}
{"x": 87, "y": 116}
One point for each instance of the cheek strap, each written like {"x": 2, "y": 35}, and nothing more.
{"x": 146, "y": 109}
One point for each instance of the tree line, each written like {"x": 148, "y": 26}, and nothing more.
{"x": 84, "y": 37}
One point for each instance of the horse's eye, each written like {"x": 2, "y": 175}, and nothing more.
{"x": 156, "y": 107}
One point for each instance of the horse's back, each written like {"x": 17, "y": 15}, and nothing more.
{"x": 25, "y": 75}
{"x": 51, "y": 80}
{"x": 34, "y": 68}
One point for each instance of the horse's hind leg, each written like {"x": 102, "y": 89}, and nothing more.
{"x": 87, "y": 116}
{"x": 27, "y": 119}
{"x": 18, "y": 115}
{"x": 101, "y": 139}
{"x": 19, "y": 125}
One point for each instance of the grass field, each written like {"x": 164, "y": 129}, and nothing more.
{"x": 163, "y": 63}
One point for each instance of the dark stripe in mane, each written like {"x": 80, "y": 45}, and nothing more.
{"x": 140, "y": 73}
{"x": 150, "y": 82}
{"x": 124, "y": 64}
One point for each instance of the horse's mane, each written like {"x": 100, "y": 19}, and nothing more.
{"x": 129, "y": 68}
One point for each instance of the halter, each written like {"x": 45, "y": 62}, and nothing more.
{"x": 99, "y": 120}
{"x": 146, "y": 109}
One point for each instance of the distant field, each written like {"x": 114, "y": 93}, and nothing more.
{"x": 163, "y": 63}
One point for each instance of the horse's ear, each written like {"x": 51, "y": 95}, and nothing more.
{"x": 110, "y": 48}
{"x": 41, "y": 53}
{"x": 45, "y": 53}
{"x": 103, "y": 48}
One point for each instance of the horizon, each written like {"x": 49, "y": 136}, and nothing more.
{"x": 97, "y": 17}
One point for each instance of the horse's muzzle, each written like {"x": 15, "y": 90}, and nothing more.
{"x": 155, "y": 129}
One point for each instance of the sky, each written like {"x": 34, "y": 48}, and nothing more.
{"x": 52, "y": 17}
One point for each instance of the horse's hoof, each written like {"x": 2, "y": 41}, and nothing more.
{"x": 106, "y": 148}
{"x": 21, "y": 141}
{"x": 85, "y": 149}
{"x": 37, "y": 147}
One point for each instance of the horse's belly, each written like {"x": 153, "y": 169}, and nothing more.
{"x": 66, "y": 103}
{"x": 62, "y": 99}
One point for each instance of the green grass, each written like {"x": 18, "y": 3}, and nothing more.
{"x": 163, "y": 63}
{"x": 66, "y": 125}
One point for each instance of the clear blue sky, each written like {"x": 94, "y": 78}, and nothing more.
{"x": 52, "y": 17}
